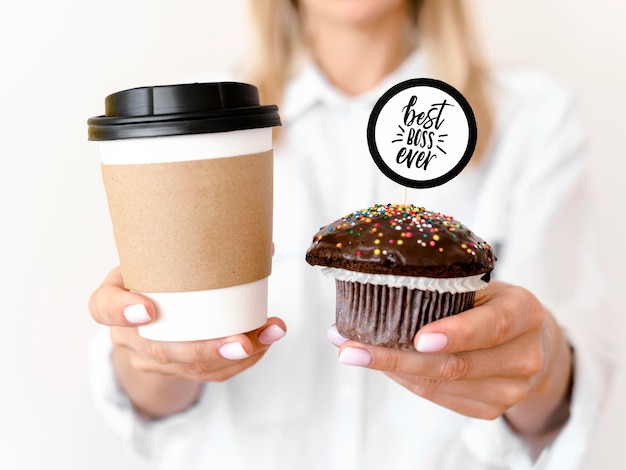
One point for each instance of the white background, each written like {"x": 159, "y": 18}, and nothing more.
{"x": 60, "y": 58}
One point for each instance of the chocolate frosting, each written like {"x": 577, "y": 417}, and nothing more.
{"x": 402, "y": 240}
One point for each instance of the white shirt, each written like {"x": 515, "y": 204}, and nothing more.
{"x": 299, "y": 408}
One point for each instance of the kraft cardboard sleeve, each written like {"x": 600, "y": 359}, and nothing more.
{"x": 193, "y": 225}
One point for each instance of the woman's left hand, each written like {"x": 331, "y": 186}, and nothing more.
{"x": 507, "y": 356}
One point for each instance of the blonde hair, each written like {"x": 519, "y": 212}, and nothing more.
{"x": 443, "y": 29}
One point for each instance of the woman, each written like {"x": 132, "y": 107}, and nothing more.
{"x": 493, "y": 387}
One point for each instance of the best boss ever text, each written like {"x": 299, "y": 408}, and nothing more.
{"x": 420, "y": 139}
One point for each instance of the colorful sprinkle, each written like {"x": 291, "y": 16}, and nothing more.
{"x": 373, "y": 226}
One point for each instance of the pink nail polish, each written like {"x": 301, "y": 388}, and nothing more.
{"x": 233, "y": 351}
{"x": 271, "y": 334}
{"x": 355, "y": 357}
{"x": 334, "y": 336}
{"x": 136, "y": 314}
{"x": 431, "y": 342}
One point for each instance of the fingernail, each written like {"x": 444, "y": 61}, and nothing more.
{"x": 136, "y": 314}
{"x": 233, "y": 351}
{"x": 431, "y": 342}
{"x": 355, "y": 357}
{"x": 335, "y": 337}
{"x": 271, "y": 334}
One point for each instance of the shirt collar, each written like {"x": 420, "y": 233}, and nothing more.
{"x": 310, "y": 87}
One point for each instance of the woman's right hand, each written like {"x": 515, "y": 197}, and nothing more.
{"x": 162, "y": 377}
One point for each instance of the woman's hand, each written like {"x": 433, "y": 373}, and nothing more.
{"x": 163, "y": 377}
{"x": 505, "y": 356}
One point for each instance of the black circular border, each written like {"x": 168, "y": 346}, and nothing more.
{"x": 413, "y": 83}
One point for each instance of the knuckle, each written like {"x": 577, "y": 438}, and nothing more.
{"x": 142, "y": 364}
{"x": 515, "y": 393}
{"x": 532, "y": 364}
{"x": 427, "y": 383}
{"x": 391, "y": 363}
{"x": 211, "y": 371}
{"x": 158, "y": 353}
{"x": 456, "y": 366}
{"x": 424, "y": 391}
{"x": 201, "y": 354}
{"x": 501, "y": 328}
{"x": 199, "y": 369}
{"x": 387, "y": 361}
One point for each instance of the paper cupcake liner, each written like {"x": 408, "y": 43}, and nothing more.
{"x": 450, "y": 284}
{"x": 390, "y": 316}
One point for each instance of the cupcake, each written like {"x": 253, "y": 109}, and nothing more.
{"x": 397, "y": 268}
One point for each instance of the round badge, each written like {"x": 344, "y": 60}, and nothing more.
{"x": 422, "y": 133}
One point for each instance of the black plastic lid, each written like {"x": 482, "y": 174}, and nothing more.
{"x": 194, "y": 108}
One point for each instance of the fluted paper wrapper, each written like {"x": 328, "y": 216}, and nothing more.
{"x": 192, "y": 225}
{"x": 391, "y": 316}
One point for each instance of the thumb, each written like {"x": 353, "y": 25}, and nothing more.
{"x": 113, "y": 305}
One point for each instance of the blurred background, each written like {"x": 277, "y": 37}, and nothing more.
{"x": 61, "y": 58}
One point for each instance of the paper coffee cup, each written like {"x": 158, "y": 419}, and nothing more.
{"x": 188, "y": 174}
